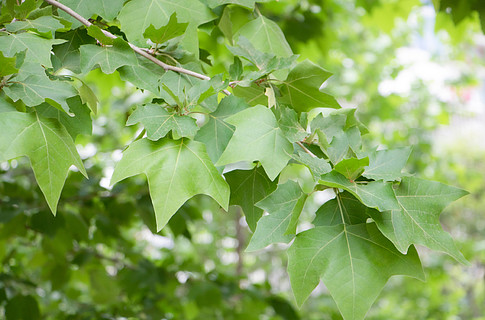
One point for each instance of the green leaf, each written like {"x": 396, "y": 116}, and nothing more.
{"x": 176, "y": 171}
{"x": 98, "y": 34}
{"x": 88, "y": 97}
{"x": 254, "y": 94}
{"x": 375, "y": 194}
{"x": 7, "y": 65}
{"x": 236, "y": 69}
{"x": 45, "y": 24}
{"x": 416, "y": 220}
{"x": 284, "y": 207}
{"x": 352, "y": 168}
{"x": 48, "y": 145}
{"x": 216, "y": 133}
{"x": 169, "y": 31}
{"x": 344, "y": 144}
{"x": 158, "y": 122}
{"x": 265, "y": 62}
{"x": 137, "y": 15}
{"x": 344, "y": 208}
{"x": 387, "y": 164}
{"x": 68, "y": 52}
{"x": 289, "y": 124}
{"x": 247, "y": 188}
{"x": 109, "y": 58}
{"x": 79, "y": 124}
{"x": 316, "y": 165}
{"x": 144, "y": 74}
{"x": 353, "y": 261}
{"x": 22, "y": 307}
{"x": 36, "y": 89}
{"x": 108, "y": 9}
{"x": 257, "y": 137}
{"x": 266, "y": 36}
{"x": 244, "y": 3}
{"x": 38, "y": 49}
{"x": 301, "y": 89}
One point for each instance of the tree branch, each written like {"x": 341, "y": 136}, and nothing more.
{"x": 305, "y": 149}
{"x": 144, "y": 54}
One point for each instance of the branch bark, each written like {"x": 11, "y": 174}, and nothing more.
{"x": 138, "y": 50}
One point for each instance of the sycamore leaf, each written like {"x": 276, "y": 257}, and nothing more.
{"x": 68, "y": 52}
{"x": 108, "y": 9}
{"x": 7, "y": 65}
{"x": 289, "y": 124}
{"x": 353, "y": 261}
{"x": 266, "y": 36}
{"x": 176, "y": 171}
{"x": 144, "y": 74}
{"x": 38, "y": 49}
{"x": 158, "y": 122}
{"x": 48, "y": 145}
{"x": 247, "y": 188}
{"x": 352, "y": 168}
{"x": 301, "y": 89}
{"x": 216, "y": 133}
{"x": 36, "y": 89}
{"x": 387, "y": 164}
{"x": 137, "y": 15}
{"x": 316, "y": 165}
{"x": 253, "y": 94}
{"x": 344, "y": 208}
{"x": 79, "y": 124}
{"x": 416, "y": 220}
{"x": 44, "y": 24}
{"x": 109, "y": 58}
{"x": 169, "y": 31}
{"x": 244, "y": 3}
{"x": 374, "y": 194}
{"x": 284, "y": 206}
{"x": 257, "y": 137}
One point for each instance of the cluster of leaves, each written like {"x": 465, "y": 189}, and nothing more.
{"x": 232, "y": 148}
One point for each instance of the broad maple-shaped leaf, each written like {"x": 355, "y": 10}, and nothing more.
{"x": 79, "y": 124}
{"x": 284, "y": 206}
{"x": 109, "y": 58}
{"x": 144, "y": 74}
{"x": 68, "y": 53}
{"x": 247, "y": 188}
{"x": 7, "y": 65}
{"x": 416, "y": 220}
{"x": 253, "y": 94}
{"x": 158, "y": 122}
{"x": 169, "y": 31}
{"x": 137, "y": 15}
{"x": 257, "y": 137}
{"x": 317, "y": 166}
{"x": 266, "y": 36}
{"x": 38, "y": 49}
{"x": 353, "y": 261}
{"x": 45, "y": 25}
{"x": 216, "y": 133}
{"x": 176, "y": 171}
{"x": 352, "y": 168}
{"x": 108, "y": 9}
{"x": 288, "y": 122}
{"x": 245, "y": 3}
{"x": 301, "y": 89}
{"x": 38, "y": 88}
{"x": 48, "y": 145}
{"x": 344, "y": 208}
{"x": 374, "y": 194}
{"x": 387, "y": 164}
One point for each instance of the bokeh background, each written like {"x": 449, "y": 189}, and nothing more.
{"x": 416, "y": 77}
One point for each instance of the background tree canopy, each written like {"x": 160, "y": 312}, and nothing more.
{"x": 241, "y": 159}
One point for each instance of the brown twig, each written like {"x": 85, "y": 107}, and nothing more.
{"x": 144, "y": 54}
{"x": 306, "y": 149}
